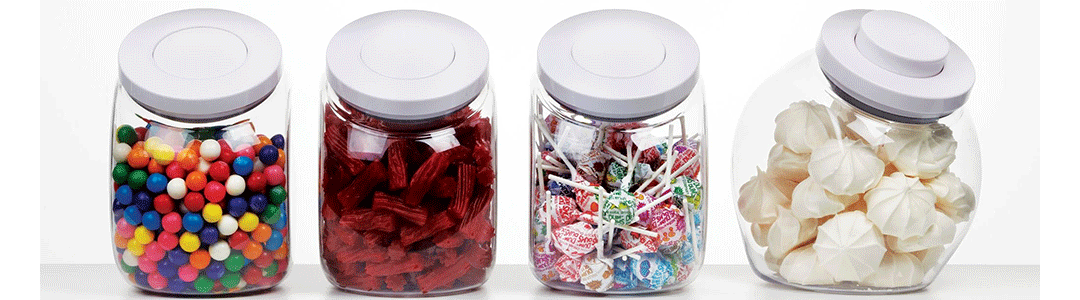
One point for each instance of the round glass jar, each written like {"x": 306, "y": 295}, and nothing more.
{"x": 200, "y": 124}
{"x": 618, "y": 147}
{"x": 855, "y": 168}
{"x": 407, "y": 173}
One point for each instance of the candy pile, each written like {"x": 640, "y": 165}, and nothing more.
{"x": 615, "y": 209}
{"x": 202, "y": 210}
{"x": 407, "y": 215}
{"x": 843, "y": 202}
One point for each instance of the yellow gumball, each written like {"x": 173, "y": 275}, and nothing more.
{"x": 248, "y": 222}
{"x": 135, "y": 247}
{"x": 143, "y": 235}
{"x": 189, "y": 242}
{"x": 163, "y": 154}
{"x": 211, "y": 213}
{"x": 153, "y": 142}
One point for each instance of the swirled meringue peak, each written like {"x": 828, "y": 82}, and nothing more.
{"x": 810, "y": 200}
{"x": 845, "y": 167}
{"x": 787, "y": 164}
{"x": 804, "y": 125}
{"x": 850, "y": 247}
{"x": 921, "y": 151}
{"x": 762, "y": 196}
{"x": 901, "y": 206}
{"x": 954, "y": 197}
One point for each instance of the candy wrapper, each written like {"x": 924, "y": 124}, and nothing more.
{"x": 597, "y": 275}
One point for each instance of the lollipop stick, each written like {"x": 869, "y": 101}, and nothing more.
{"x": 614, "y": 153}
{"x": 547, "y": 136}
{"x": 554, "y": 169}
{"x": 626, "y": 252}
{"x": 593, "y": 189}
{"x": 638, "y": 230}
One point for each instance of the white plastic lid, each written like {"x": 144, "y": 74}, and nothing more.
{"x": 200, "y": 64}
{"x": 407, "y": 64}
{"x": 894, "y": 63}
{"x": 618, "y": 64}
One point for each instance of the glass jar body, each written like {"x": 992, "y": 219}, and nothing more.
{"x": 617, "y": 206}
{"x": 906, "y": 192}
{"x": 407, "y": 208}
{"x": 195, "y": 219}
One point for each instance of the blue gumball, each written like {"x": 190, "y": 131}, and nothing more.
{"x": 278, "y": 140}
{"x": 268, "y": 155}
{"x": 275, "y": 241}
{"x": 152, "y": 220}
{"x": 237, "y": 207}
{"x": 243, "y": 165}
{"x": 157, "y": 182}
{"x": 193, "y": 222}
{"x": 124, "y": 194}
{"x": 132, "y": 215}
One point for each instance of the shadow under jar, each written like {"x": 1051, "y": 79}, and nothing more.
{"x": 855, "y": 169}
{"x": 617, "y": 156}
{"x": 407, "y": 190}
{"x": 199, "y": 189}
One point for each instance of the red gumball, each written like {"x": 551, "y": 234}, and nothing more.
{"x": 238, "y": 240}
{"x": 275, "y": 175}
{"x": 163, "y": 204}
{"x": 167, "y": 241}
{"x": 256, "y": 182}
{"x": 264, "y": 260}
{"x": 174, "y": 170}
{"x": 172, "y": 222}
{"x": 253, "y": 275}
{"x": 141, "y": 132}
{"x": 219, "y": 171}
{"x": 194, "y": 201}
{"x": 227, "y": 155}
{"x": 214, "y": 191}
{"x": 247, "y": 151}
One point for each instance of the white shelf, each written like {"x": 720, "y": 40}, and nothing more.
{"x": 517, "y": 282}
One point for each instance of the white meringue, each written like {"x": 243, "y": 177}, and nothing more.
{"x": 760, "y": 233}
{"x": 897, "y": 270}
{"x": 923, "y": 151}
{"x": 760, "y": 197}
{"x": 787, "y": 164}
{"x": 802, "y": 266}
{"x": 901, "y": 206}
{"x": 850, "y": 247}
{"x": 773, "y": 262}
{"x": 845, "y": 167}
{"x": 804, "y": 125}
{"x": 954, "y": 197}
{"x": 929, "y": 257}
{"x": 789, "y": 232}
{"x": 940, "y": 233}
{"x": 810, "y": 200}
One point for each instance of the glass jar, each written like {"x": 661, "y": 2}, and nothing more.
{"x": 855, "y": 168}
{"x": 199, "y": 189}
{"x": 618, "y": 149}
{"x": 407, "y": 191}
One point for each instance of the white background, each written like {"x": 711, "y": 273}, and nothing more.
{"x": 742, "y": 43}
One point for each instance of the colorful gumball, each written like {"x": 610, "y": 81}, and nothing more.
{"x": 194, "y": 202}
{"x": 219, "y": 171}
{"x": 275, "y": 175}
{"x": 214, "y": 192}
{"x": 195, "y": 181}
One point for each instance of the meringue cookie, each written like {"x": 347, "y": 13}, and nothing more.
{"x": 850, "y": 247}
{"x": 804, "y": 125}
{"x": 802, "y": 266}
{"x": 901, "y": 206}
{"x": 760, "y": 197}
{"x": 760, "y": 233}
{"x": 789, "y": 232}
{"x": 773, "y": 261}
{"x": 922, "y": 152}
{"x": 845, "y": 167}
{"x": 954, "y": 198}
{"x": 940, "y": 233}
{"x": 897, "y": 270}
{"x": 787, "y": 164}
{"x": 929, "y": 257}
{"x": 810, "y": 200}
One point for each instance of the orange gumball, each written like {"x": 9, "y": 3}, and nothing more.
{"x": 154, "y": 167}
{"x": 195, "y": 181}
{"x": 261, "y": 233}
{"x": 120, "y": 241}
{"x": 281, "y": 158}
{"x": 194, "y": 145}
{"x": 199, "y": 259}
{"x": 253, "y": 250}
{"x": 188, "y": 159}
{"x": 264, "y": 140}
{"x": 138, "y": 158}
{"x": 282, "y": 252}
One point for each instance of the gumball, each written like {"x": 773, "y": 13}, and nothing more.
{"x": 120, "y": 173}
{"x": 187, "y": 273}
{"x": 129, "y": 258}
{"x": 214, "y": 192}
{"x": 154, "y": 251}
{"x": 163, "y": 204}
{"x": 248, "y": 222}
{"x": 235, "y": 185}
{"x": 167, "y": 241}
{"x": 281, "y": 158}
{"x": 252, "y": 250}
{"x": 138, "y": 158}
{"x": 152, "y": 142}
{"x": 193, "y": 222}
{"x": 199, "y": 259}
{"x": 220, "y": 250}
{"x": 157, "y": 281}
{"x": 211, "y": 213}
{"x": 271, "y": 214}
{"x": 143, "y": 201}
{"x": 261, "y": 233}
{"x": 154, "y": 167}
{"x": 256, "y": 182}
{"x": 226, "y": 154}
{"x": 230, "y": 280}
{"x": 281, "y": 253}
{"x": 125, "y": 229}
{"x": 219, "y": 171}
{"x": 151, "y": 220}
{"x": 173, "y": 170}
{"x": 279, "y": 141}
{"x": 177, "y": 188}
{"x": 275, "y": 175}
{"x": 166, "y": 268}
{"x": 178, "y": 285}
{"x": 156, "y": 183}
{"x": 187, "y": 159}
{"x": 227, "y": 225}
{"x": 194, "y": 202}
{"x": 237, "y": 207}
{"x": 204, "y": 166}
{"x": 203, "y": 284}
{"x": 163, "y": 154}
{"x": 143, "y": 235}
{"x": 177, "y": 257}
{"x": 126, "y": 134}
{"x": 137, "y": 178}
{"x": 189, "y": 242}
{"x": 245, "y": 151}
{"x": 171, "y": 222}
{"x": 123, "y": 195}
{"x": 235, "y": 261}
{"x": 210, "y": 149}
{"x": 133, "y": 215}
{"x": 253, "y": 275}
{"x": 259, "y": 166}
{"x": 282, "y": 222}
{"x": 268, "y": 155}
{"x": 277, "y": 194}
{"x": 257, "y": 203}
{"x": 208, "y": 235}
{"x": 195, "y": 181}
{"x": 147, "y": 265}
{"x": 140, "y": 278}
{"x": 274, "y": 241}
{"x": 120, "y": 152}
{"x": 238, "y": 240}
{"x": 215, "y": 270}
{"x": 242, "y": 165}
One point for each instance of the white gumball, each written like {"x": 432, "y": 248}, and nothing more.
{"x": 176, "y": 188}
{"x": 120, "y": 152}
{"x": 220, "y": 250}
{"x": 210, "y": 150}
{"x": 227, "y": 225}
{"x": 235, "y": 185}
{"x": 130, "y": 259}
